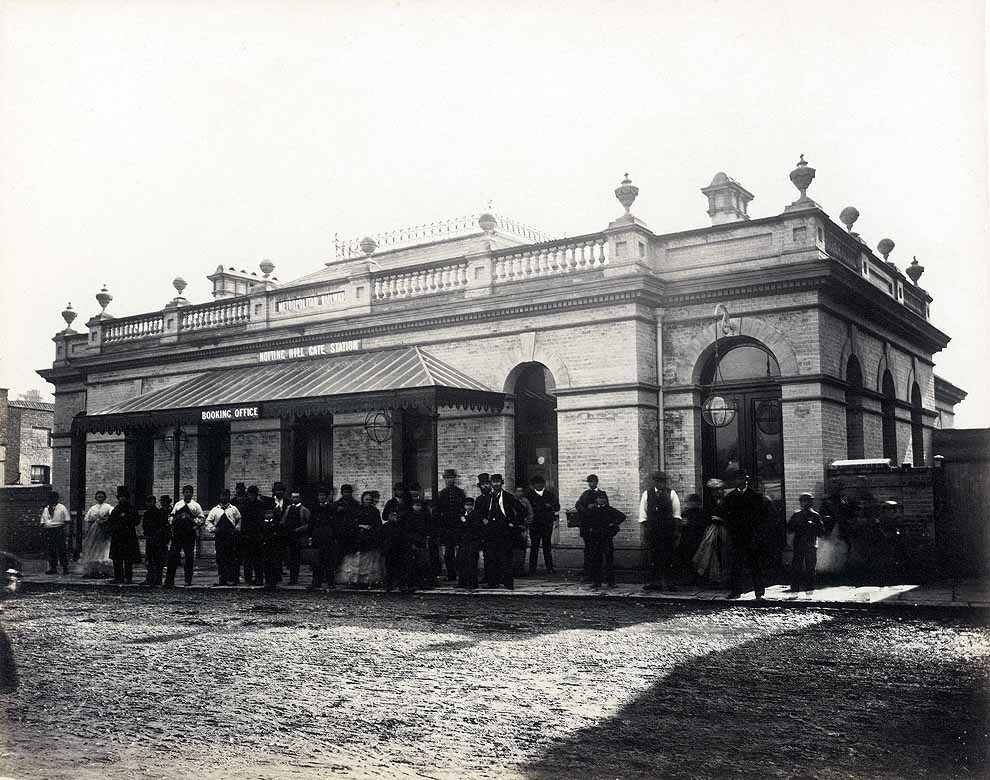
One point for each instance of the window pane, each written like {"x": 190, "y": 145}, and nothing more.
{"x": 747, "y": 362}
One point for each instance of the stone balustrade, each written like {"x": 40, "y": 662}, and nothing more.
{"x": 585, "y": 253}
{"x": 224, "y": 314}
{"x": 132, "y": 328}
{"x": 393, "y": 285}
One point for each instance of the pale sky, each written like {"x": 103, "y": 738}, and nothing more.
{"x": 144, "y": 140}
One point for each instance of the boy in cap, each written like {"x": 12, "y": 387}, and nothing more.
{"x": 602, "y": 522}
{"x": 807, "y": 526}
{"x": 586, "y": 500}
{"x": 394, "y": 549}
{"x": 417, "y": 533}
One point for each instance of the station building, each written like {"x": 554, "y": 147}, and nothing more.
{"x": 776, "y": 345}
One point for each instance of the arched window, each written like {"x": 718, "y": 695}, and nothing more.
{"x": 887, "y": 407}
{"x": 917, "y": 431}
{"x": 854, "y": 409}
{"x": 742, "y": 362}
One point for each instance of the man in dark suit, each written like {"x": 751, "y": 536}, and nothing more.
{"x": 504, "y": 517}
{"x": 587, "y": 500}
{"x": 447, "y": 511}
{"x": 252, "y": 532}
{"x": 746, "y": 519}
{"x": 545, "y": 508}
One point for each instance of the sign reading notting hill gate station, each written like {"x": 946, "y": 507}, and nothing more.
{"x": 314, "y": 350}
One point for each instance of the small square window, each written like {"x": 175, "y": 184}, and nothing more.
{"x": 41, "y": 475}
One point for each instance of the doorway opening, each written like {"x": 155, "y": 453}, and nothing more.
{"x": 213, "y": 460}
{"x": 535, "y": 425}
{"x": 312, "y": 456}
{"x": 419, "y": 450}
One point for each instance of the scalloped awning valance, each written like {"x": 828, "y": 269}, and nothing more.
{"x": 400, "y": 378}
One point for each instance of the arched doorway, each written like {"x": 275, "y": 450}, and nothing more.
{"x": 535, "y": 424}
{"x": 753, "y": 441}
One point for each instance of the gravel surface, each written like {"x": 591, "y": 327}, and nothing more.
{"x": 248, "y": 685}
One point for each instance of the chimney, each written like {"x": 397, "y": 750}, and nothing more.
{"x": 727, "y": 200}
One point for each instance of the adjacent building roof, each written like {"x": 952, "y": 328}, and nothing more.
{"x": 37, "y": 406}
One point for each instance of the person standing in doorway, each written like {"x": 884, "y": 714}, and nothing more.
{"x": 54, "y": 519}
{"x": 186, "y": 519}
{"x": 124, "y": 548}
{"x": 154, "y": 523}
{"x": 505, "y": 518}
{"x": 545, "y": 508}
{"x": 660, "y": 519}
{"x": 323, "y": 533}
{"x": 447, "y": 511}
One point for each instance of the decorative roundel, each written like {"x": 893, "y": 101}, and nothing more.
{"x": 768, "y": 417}
{"x": 718, "y": 411}
{"x": 378, "y": 426}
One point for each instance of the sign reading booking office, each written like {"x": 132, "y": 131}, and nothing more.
{"x": 230, "y": 413}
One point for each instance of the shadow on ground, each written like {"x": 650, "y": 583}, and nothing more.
{"x": 781, "y": 707}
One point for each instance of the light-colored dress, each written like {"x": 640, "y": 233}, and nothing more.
{"x": 712, "y": 558}
{"x": 94, "y": 555}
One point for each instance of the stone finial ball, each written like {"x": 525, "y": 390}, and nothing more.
{"x": 848, "y": 216}
{"x": 179, "y": 284}
{"x": 266, "y": 266}
{"x": 487, "y": 222}
{"x": 368, "y": 245}
{"x": 886, "y": 246}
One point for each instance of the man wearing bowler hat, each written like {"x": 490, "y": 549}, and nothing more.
{"x": 447, "y": 511}
{"x": 660, "y": 518}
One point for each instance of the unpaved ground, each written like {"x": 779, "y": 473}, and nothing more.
{"x": 211, "y": 685}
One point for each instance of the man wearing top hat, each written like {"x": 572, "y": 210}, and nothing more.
{"x": 504, "y": 517}
{"x": 447, "y": 511}
{"x": 124, "y": 548}
{"x": 252, "y": 532}
{"x": 276, "y": 542}
{"x": 746, "y": 519}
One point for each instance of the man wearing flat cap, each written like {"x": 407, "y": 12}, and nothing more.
{"x": 807, "y": 525}
{"x": 587, "y": 499}
{"x": 660, "y": 519}
{"x": 447, "y": 511}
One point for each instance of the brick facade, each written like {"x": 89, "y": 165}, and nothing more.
{"x": 27, "y": 438}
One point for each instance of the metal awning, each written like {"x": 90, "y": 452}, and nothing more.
{"x": 389, "y": 379}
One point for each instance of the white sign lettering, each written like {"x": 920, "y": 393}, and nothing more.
{"x": 315, "y": 350}
{"x": 234, "y": 413}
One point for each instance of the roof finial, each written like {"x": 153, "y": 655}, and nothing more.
{"x": 626, "y": 193}
{"x": 801, "y": 177}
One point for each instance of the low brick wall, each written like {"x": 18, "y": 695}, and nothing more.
{"x": 20, "y": 517}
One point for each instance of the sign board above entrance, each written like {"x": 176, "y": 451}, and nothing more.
{"x": 313, "y": 350}
{"x": 230, "y": 413}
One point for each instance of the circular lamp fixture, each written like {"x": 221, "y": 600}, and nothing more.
{"x": 718, "y": 411}
{"x": 378, "y": 426}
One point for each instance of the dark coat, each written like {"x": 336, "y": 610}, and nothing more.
{"x": 252, "y": 519}
{"x": 502, "y": 525}
{"x": 746, "y": 516}
{"x": 472, "y": 528}
{"x": 156, "y": 528}
{"x": 448, "y": 509}
{"x": 367, "y": 527}
{"x": 123, "y": 523}
{"x": 807, "y": 526}
{"x": 584, "y": 502}
{"x": 602, "y": 522}
{"x": 324, "y": 530}
{"x": 545, "y": 508}
{"x": 416, "y": 528}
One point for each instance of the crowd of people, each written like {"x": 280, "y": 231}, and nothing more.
{"x": 411, "y": 542}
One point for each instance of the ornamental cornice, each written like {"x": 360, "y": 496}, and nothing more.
{"x": 647, "y": 294}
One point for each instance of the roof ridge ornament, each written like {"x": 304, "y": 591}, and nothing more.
{"x": 801, "y": 177}
{"x": 626, "y": 193}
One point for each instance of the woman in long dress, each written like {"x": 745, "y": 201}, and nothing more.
{"x": 94, "y": 555}
{"x": 362, "y": 566}
{"x": 711, "y": 561}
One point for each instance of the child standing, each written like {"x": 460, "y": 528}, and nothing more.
{"x": 807, "y": 526}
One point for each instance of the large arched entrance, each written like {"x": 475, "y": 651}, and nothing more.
{"x": 535, "y": 424}
{"x": 753, "y": 442}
